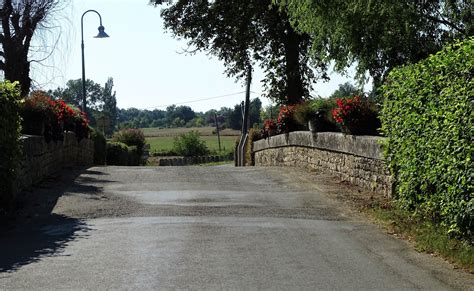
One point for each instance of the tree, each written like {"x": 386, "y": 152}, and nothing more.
{"x": 19, "y": 21}
{"x": 102, "y": 101}
{"x": 346, "y": 90}
{"x": 73, "y": 92}
{"x": 234, "y": 118}
{"x": 184, "y": 113}
{"x": 243, "y": 33}
{"x": 378, "y": 35}
{"x": 109, "y": 105}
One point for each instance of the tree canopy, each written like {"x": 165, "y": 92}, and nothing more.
{"x": 19, "y": 21}
{"x": 378, "y": 35}
{"x": 245, "y": 33}
{"x": 102, "y": 100}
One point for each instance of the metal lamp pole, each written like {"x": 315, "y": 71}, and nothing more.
{"x": 101, "y": 34}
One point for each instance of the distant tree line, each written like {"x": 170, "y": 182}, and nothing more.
{"x": 185, "y": 116}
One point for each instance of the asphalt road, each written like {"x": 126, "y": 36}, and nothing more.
{"x": 207, "y": 228}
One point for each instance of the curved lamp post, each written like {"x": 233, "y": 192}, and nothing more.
{"x": 101, "y": 34}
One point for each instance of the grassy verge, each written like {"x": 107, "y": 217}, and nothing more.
{"x": 425, "y": 235}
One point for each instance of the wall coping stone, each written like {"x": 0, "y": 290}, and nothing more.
{"x": 359, "y": 145}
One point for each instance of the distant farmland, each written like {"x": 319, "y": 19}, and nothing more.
{"x": 161, "y": 139}
{"x": 204, "y": 131}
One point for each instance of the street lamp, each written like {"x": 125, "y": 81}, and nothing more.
{"x": 101, "y": 34}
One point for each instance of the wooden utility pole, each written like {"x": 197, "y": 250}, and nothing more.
{"x": 245, "y": 125}
{"x": 218, "y": 134}
{"x": 245, "y": 121}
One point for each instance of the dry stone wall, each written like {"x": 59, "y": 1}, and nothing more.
{"x": 41, "y": 159}
{"x": 356, "y": 159}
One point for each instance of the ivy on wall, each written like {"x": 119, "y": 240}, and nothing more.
{"x": 428, "y": 119}
{"x": 9, "y": 139}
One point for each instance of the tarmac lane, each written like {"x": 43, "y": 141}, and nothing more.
{"x": 220, "y": 227}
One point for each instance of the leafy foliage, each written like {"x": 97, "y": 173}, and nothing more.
{"x": 117, "y": 154}
{"x": 356, "y": 115}
{"x": 345, "y": 90}
{"x": 131, "y": 137}
{"x": 379, "y": 35}
{"x": 45, "y": 116}
{"x": 190, "y": 144}
{"x": 175, "y": 116}
{"x": 9, "y": 138}
{"x": 100, "y": 147}
{"x": 261, "y": 34}
{"x": 427, "y": 117}
{"x": 101, "y": 101}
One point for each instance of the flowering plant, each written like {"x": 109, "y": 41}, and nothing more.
{"x": 347, "y": 110}
{"x": 269, "y": 128}
{"x": 285, "y": 121}
{"x": 356, "y": 115}
{"x": 44, "y": 116}
{"x": 269, "y": 124}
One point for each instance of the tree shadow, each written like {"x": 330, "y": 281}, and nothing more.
{"x": 31, "y": 231}
{"x": 34, "y": 242}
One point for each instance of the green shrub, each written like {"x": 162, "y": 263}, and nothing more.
{"x": 100, "y": 147}
{"x": 323, "y": 117}
{"x": 131, "y": 137}
{"x": 304, "y": 113}
{"x": 117, "y": 154}
{"x": 190, "y": 144}
{"x": 133, "y": 156}
{"x": 428, "y": 118}
{"x": 9, "y": 139}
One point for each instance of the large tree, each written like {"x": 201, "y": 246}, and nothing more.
{"x": 379, "y": 35}
{"x": 102, "y": 100}
{"x": 72, "y": 93}
{"x": 19, "y": 21}
{"x": 243, "y": 33}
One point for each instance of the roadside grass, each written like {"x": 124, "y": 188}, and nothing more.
{"x": 164, "y": 144}
{"x": 426, "y": 235}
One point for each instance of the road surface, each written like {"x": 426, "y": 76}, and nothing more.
{"x": 218, "y": 227}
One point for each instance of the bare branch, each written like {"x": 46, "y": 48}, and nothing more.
{"x": 445, "y": 22}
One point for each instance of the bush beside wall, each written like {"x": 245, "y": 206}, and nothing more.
{"x": 427, "y": 117}
{"x": 9, "y": 140}
{"x": 100, "y": 147}
{"x": 117, "y": 154}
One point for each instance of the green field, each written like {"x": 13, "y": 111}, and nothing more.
{"x": 204, "y": 131}
{"x": 161, "y": 140}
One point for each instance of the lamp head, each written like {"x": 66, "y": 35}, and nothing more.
{"x": 102, "y": 33}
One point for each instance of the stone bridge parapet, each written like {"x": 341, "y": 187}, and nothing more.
{"x": 356, "y": 159}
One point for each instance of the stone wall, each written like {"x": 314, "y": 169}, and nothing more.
{"x": 356, "y": 159}
{"x": 186, "y": 161}
{"x": 41, "y": 159}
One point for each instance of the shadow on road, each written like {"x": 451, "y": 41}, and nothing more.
{"x": 31, "y": 231}
{"x": 33, "y": 242}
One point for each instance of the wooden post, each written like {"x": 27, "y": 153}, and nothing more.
{"x": 218, "y": 134}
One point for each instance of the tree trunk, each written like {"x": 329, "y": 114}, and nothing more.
{"x": 295, "y": 90}
{"x": 19, "y": 23}
{"x": 17, "y": 67}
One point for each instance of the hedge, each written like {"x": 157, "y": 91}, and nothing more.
{"x": 427, "y": 117}
{"x": 9, "y": 139}
{"x": 119, "y": 154}
{"x": 100, "y": 147}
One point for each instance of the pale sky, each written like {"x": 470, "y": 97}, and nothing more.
{"x": 143, "y": 59}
